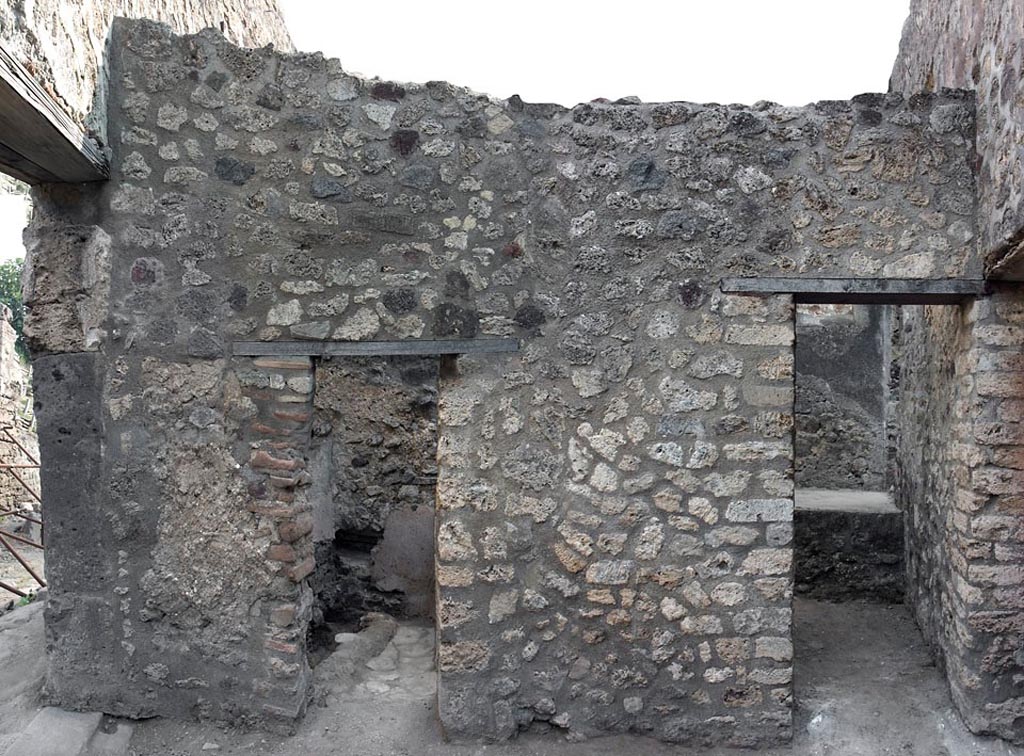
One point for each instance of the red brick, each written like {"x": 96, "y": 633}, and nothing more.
{"x": 264, "y": 461}
{"x": 295, "y": 441}
{"x": 296, "y": 416}
{"x": 1009, "y": 456}
{"x": 281, "y": 552}
{"x": 286, "y": 714}
{"x": 998, "y": 480}
{"x": 999, "y": 434}
{"x": 295, "y": 529}
{"x": 291, "y": 398}
{"x": 260, "y": 395}
{"x": 283, "y": 363}
{"x": 282, "y": 647}
{"x": 284, "y": 615}
{"x": 1002, "y": 385}
{"x": 262, "y": 429}
{"x": 1013, "y": 504}
{"x": 278, "y": 481}
{"x": 1012, "y": 410}
{"x": 298, "y": 572}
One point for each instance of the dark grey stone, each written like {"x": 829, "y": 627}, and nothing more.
{"x": 385, "y": 222}
{"x": 323, "y": 187}
{"x": 400, "y": 300}
{"x": 418, "y": 176}
{"x": 456, "y": 285}
{"x": 204, "y": 343}
{"x": 452, "y": 320}
{"x": 529, "y": 316}
{"x": 271, "y": 96}
{"x": 679, "y": 224}
{"x": 68, "y": 407}
{"x": 234, "y": 170}
{"x": 644, "y": 176}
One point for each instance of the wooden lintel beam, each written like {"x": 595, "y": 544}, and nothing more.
{"x": 39, "y": 141}
{"x": 890, "y": 291}
{"x": 409, "y": 347}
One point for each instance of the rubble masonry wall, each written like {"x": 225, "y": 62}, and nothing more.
{"x": 64, "y": 44}
{"x": 976, "y": 45}
{"x": 959, "y": 461}
{"x": 614, "y": 501}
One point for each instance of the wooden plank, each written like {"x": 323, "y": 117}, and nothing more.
{"x": 407, "y": 347}
{"x": 21, "y": 168}
{"x": 41, "y": 141}
{"x": 892, "y": 291}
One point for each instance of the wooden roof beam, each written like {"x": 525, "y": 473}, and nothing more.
{"x": 39, "y": 141}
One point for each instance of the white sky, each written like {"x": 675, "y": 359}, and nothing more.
{"x": 567, "y": 51}
{"x": 13, "y": 214}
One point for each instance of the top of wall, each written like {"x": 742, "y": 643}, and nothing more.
{"x": 63, "y": 43}
{"x": 290, "y": 177}
{"x": 975, "y": 44}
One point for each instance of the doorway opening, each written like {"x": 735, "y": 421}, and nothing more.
{"x": 373, "y": 461}
{"x": 848, "y": 532}
{"x": 856, "y": 632}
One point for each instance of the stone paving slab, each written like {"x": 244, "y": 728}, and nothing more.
{"x": 55, "y": 732}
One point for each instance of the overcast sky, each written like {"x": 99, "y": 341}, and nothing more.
{"x": 13, "y": 213}
{"x": 567, "y": 51}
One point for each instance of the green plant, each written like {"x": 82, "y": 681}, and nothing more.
{"x": 10, "y": 295}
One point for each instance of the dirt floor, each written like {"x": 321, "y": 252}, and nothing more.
{"x": 865, "y": 687}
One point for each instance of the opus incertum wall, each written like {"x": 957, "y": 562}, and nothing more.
{"x": 614, "y": 501}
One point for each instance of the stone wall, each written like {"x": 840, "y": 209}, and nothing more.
{"x": 841, "y": 397}
{"x": 849, "y": 555}
{"x": 959, "y": 478}
{"x": 614, "y": 501}
{"x": 63, "y": 44}
{"x": 960, "y": 487}
{"x": 16, "y": 418}
{"x": 976, "y": 45}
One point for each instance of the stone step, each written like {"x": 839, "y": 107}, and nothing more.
{"x": 111, "y": 739}
{"x": 55, "y": 732}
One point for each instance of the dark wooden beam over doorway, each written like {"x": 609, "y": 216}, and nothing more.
{"x": 39, "y": 141}
{"x": 886, "y": 291}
